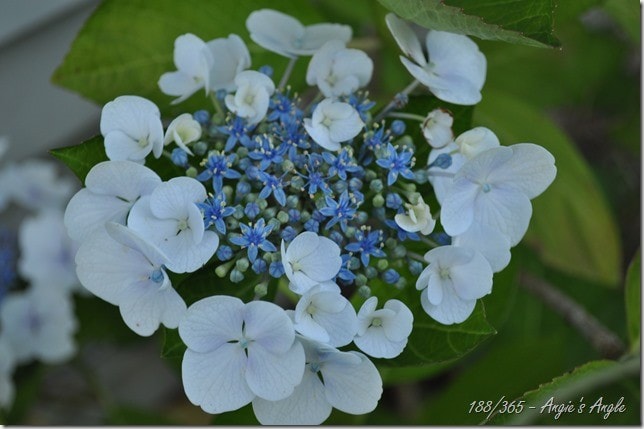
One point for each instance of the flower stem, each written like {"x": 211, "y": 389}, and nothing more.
{"x": 218, "y": 109}
{"x": 402, "y": 115}
{"x": 428, "y": 242}
{"x": 287, "y": 74}
{"x": 415, "y": 256}
{"x": 392, "y": 104}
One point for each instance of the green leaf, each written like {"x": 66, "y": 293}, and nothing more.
{"x": 526, "y": 22}
{"x": 570, "y": 387}
{"x": 431, "y": 342}
{"x": 126, "y": 45}
{"x": 572, "y": 227}
{"x": 632, "y": 295}
{"x": 81, "y": 158}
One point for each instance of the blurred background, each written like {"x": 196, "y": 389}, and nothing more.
{"x": 586, "y": 94}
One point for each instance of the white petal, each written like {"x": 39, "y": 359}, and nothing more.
{"x": 435, "y": 289}
{"x": 320, "y": 135}
{"x": 474, "y": 279}
{"x": 423, "y": 279}
{"x": 406, "y": 38}
{"x": 188, "y": 50}
{"x": 231, "y": 57}
{"x": 119, "y": 146}
{"x": 216, "y": 380}
{"x": 398, "y": 327}
{"x": 268, "y": 325}
{"x": 530, "y": 169}
{"x": 179, "y": 84}
{"x": 308, "y": 327}
{"x": 505, "y": 210}
{"x": 87, "y": 212}
{"x": 131, "y": 239}
{"x": 274, "y": 30}
{"x": 452, "y": 309}
{"x": 492, "y": 244}
{"x": 274, "y": 376}
{"x": 476, "y": 141}
{"x": 457, "y": 210}
{"x": 130, "y": 114}
{"x": 323, "y": 264}
{"x": 145, "y": 306}
{"x": 441, "y": 181}
{"x": 172, "y": 198}
{"x": 341, "y": 327}
{"x": 317, "y": 35}
{"x": 375, "y": 343}
{"x": 346, "y": 129}
{"x": 124, "y": 179}
{"x": 302, "y": 245}
{"x": 211, "y": 322}
{"x": 307, "y": 405}
{"x": 457, "y": 53}
{"x": 352, "y": 388}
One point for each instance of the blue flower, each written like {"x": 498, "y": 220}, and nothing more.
{"x": 288, "y": 233}
{"x": 276, "y": 269}
{"x": 219, "y": 166}
{"x": 251, "y": 210}
{"x": 362, "y": 105}
{"x": 266, "y": 153}
{"x": 397, "y": 163}
{"x": 367, "y": 244}
{"x": 254, "y": 238}
{"x": 224, "y": 253}
{"x": 312, "y": 225}
{"x": 345, "y": 273}
{"x": 315, "y": 178}
{"x": 272, "y": 185}
{"x": 340, "y": 211}
{"x": 283, "y": 108}
{"x": 179, "y": 157}
{"x": 259, "y": 266}
{"x": 393, "y": 201}
{"x": 237, "y": 131}
{"x": 341, "y": 164}
{"x": 293, "y": 136}
{"x": 398, "y": 127}
{"x": 202, "y": 116}
{"x": 7, "y": 261}
{"x": 390, "y": 276}
{"x": 376, "y": 139}
{"x": 214, "y": 211}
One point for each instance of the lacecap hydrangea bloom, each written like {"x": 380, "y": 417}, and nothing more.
{"x": 325, "y": 197}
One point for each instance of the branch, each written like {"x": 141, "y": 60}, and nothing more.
{"x": 601, "y": 338}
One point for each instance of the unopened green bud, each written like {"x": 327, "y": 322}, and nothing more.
{"x": 242, "y": 152}
{"x": 239, "y": 212}
{"x": 275, "y": 256}
{"x": 275, "y": 224}
{"x": 378, "y": 200}
{"x": 270, "y": 212}
{"x": 350, "y": 231}
{"x": 401, "y": 283}
{"x": 370, "y": 272}
{"x": 364, "y": 291}
{"x": 370, "y": 175}
{"x": 320, "y": 203}
{"x": 292, "y": 201}
{"x": 354, "y": 263}
{"x": 228, "y": 192}
{"x": 232, "y": 223}
{"x": 282, "y": 217}
{"x": 191, "y": 172}
{"x": 262, "y": 203}
{"x": 261, "y": 290}
{"x": 390, "y": 243}
{"x": 242, "y": 264}
{"x": 405, "y": 142}
{"x": 223, "y": 269}
{"x": 376, "y": 185}
{"x": 420, "y": 176}
{"x": 305, "y": 216}
{"x": 236, "y": 276}
{"x": 362, "y": 217}
{"x": 287, "y": 165}
{"x": 399, "y": 251}
{"x": 340, "y": 187}
{"x": 297, "y": 183}
{"x": 414, "y": 198}
{"x": 360, "y": 280}
{"x": 382, "y": 264}
{"x": 200, "y": 148}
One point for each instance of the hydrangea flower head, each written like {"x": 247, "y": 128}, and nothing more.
{"x": 238, "y": 352}
{"x": 286, "y": 36}
{"x": 455, "y": 71}
{"x": 132, "y": 128}
{"x": 183, "y": 130}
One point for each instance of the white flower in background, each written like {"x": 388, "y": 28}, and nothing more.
{"x": 348, "y": 381}
{"x": 237, "y": 352}
{"x": 194, "y": 61}
{"x": 230, "y": 57}
{"x": 254, "y": 90}
{"x": 183, "y": 130}
{"x": 7, "y": 363}
{"x": 34, "y": 184}
{"x": 494, "y": 189}
{"x": 333, "y": 122}
{"x": 475, "y": 141}
{"x": 337, "y": 70}
{"x": 112, "y": 188}
{"x": 170, "y": 219}
{"x": 46, "y": 251}
{"x": 4, "y": 145}
{"x": 437, "y": 128}
{"x": 455, "y": 71}
{"x": 417, "y": 219}
{"x": 324, "y": 315}
{"x": 492, "y": 244}
{"x": 132, "y": 129}
{"x": 125, "y": 270}
{"x": 39, "y": 323}
{"x": 309, "y": 260}
{"x": 286, "y": 36}
{"x": 455, "y": 278}
{"x": 383, "y": 333}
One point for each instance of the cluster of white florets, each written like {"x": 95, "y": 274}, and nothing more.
{"x": 273, "y": 173}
